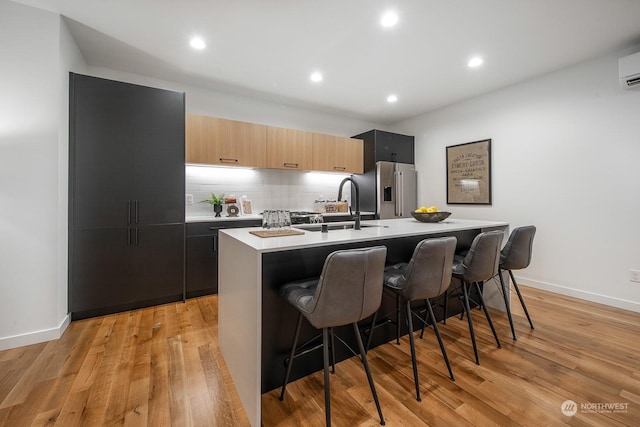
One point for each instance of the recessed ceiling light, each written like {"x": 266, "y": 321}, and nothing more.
{"x": 316, "y": 77}
{"x": 392, "y": 98}
{"x": 197, "y": 43}
{"x": 389, "y": 19}
{"x": 475, "y": 62}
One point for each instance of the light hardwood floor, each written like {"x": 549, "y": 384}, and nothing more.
{"x": 161, "y": 367}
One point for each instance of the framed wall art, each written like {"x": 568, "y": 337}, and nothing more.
{"x": 469, "y": 173}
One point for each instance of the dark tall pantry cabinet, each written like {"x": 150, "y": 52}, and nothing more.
{"x": 126, "y": 196}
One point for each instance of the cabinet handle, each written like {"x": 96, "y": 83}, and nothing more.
{"x": 228, "y": 160}
{"x": 129, "y": 212}
{"x": 135, "y": 204}
{"x": 339, "y": 168}
{"x": 215, "y": 243}
{"x": 128, "y": 236}
{"x": 290, "y": 165}
{"x": 136, "y": 235}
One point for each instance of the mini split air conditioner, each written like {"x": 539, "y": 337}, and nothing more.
{"x": 629, "y": 71}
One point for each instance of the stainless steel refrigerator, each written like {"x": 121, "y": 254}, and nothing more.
{"x": 390, "y": 190}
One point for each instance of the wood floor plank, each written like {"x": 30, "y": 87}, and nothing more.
{"x": 161, "y": 366}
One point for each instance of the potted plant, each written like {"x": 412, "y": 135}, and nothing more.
{"x": 216, "y": 202}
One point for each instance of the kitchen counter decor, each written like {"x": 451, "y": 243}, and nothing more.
{"x": 216, "y": 202}
{"x": 276, "y": 233}
{"x": 430, "y": 216}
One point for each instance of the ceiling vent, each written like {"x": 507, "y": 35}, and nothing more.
{"x": 629, "y": 71}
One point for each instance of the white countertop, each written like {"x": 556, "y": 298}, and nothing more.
{"x": 372, "y": 230}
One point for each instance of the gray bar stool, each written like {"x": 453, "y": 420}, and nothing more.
{"x": 426, "y": 276}
{"x": 516, "y": 255}
{"x": 479, "y": 264}
{"x": 348, "y": 290}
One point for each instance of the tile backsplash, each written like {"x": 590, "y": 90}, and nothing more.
{"x": 266, "y": 188}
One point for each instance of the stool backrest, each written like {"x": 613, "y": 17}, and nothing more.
{"x": 516, "y": 254}
{"x": 482, "y": 261}
{"x": 428, "y": 274}
{"x": 350, "y": 287}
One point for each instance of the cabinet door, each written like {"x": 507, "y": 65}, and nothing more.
{"x": 337, "y": 154}
{"x": 352, "y": 151}
{"x": 216, "y": 141}
{"x": 202, "y": 265}
{"x": 393, "y": 147}
{"x": 202, "y": 254}
{"x": 101, "y": 152}
{"x": 101, "y": 270}
{"x": 200, "y": 147}
{"x": 126, "y": 267}
{"x": 158, "y": 168}
{"x": 158, "y": 261}
{"x": 289, "y": 149}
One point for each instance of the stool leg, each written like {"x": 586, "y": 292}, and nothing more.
{"x": 446, "y": 307}
{"x": 505, "y": 292}
{"x": 413, "y": 348}
{"x": 486, "y": 313}
{"x": 327, "y": 384}
{"x": 468, "y": 311}
{"x": 437, "y": 331}
{"x": 524, "y": 306}
{"x": 293, "y": 352}
{"x": 462, "y": 298}
{"x": 371, "y": 328}
{"x": 333, "y": 352}
{"x": 425, "y": 320}
{"x": 368, "y": 371}
{"x": 397, "y": 319}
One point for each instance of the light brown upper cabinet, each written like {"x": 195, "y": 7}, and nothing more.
{"x": 214, "y": 141}
{"x": 289, "y": 149}
{"x": 337, "y": 154}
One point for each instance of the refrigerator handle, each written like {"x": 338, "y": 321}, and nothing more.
{"x": 396, "y": 191}
{"x": 400, "y": 190}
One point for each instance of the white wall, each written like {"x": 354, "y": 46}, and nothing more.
{"x": 33, "y": 187}
{"x": 70, "y": 60}
{"x": 565, "y": 153}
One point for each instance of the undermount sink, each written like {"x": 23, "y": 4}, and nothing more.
{"x": 333, "y": 226}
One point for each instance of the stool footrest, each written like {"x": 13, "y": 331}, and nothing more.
{"x": 303, "y": 352}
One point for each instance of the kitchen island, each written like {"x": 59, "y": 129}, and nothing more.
{"x": 255, "y": 326}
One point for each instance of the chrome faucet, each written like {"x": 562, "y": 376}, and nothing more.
{"x": 354, "y": 200}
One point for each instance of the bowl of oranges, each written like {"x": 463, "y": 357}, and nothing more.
{"x": 430, "y": 214}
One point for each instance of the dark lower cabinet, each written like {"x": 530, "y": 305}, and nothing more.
{"x": 202, "y": 265}
{"x": 202, "y": 255}
{"x": 126, "y": 196}
{"x": 123, "y": 268}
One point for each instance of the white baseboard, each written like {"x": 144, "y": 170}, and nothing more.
{"x": 35, "y": 337}
{"x": 577, "y": 293}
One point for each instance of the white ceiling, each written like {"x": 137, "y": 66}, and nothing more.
{"x": 268, "y": 48}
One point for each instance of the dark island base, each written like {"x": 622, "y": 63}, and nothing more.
{"x": 279, "y": 318}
